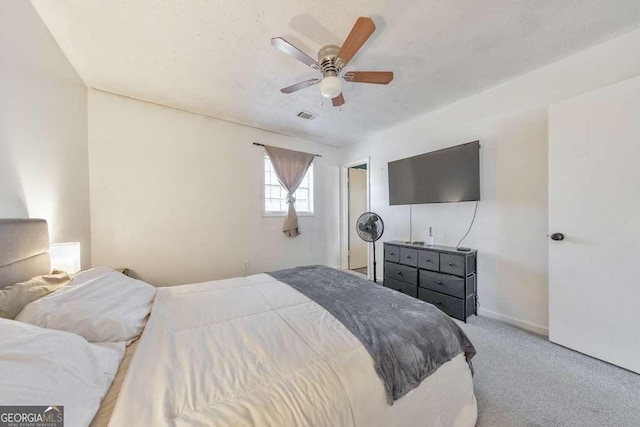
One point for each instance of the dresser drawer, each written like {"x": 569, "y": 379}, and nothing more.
{"x": 471, "y": 305}
{"x": 401, "y": 272}
{"x": 443, "y": 283}
{"x": 452, "y": 264}
{"x": 429, "y": 260}
{"x": 454, "y": 307}
{"x": 392, "y": 284}
{"x": 392, "y": 253}
{"x": 409, "y": 256}
{"x": 403, "y": 287}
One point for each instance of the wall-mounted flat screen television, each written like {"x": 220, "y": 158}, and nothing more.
{"x": 448, "y": 175}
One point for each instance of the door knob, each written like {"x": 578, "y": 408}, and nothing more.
{"x": 557, "y": 237}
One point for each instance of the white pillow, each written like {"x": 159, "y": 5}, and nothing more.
{"x": 42, "y": 367}
{"x": 100, "y": 305}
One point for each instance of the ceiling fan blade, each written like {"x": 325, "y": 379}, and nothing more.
{"x": 291, "y": 50}
{"x": 361, "y": 31}
{"x": 377, "y": 77}
{"x": 298, "y": 86}
{"x": 338, "y": 100}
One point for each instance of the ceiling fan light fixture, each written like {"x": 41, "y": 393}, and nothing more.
{"x": 330, "y": 87}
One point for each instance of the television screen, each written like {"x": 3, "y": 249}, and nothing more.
{"x": 448, "y": 175}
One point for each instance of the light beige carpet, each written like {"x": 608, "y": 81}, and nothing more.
{"x": 522, "y": 379}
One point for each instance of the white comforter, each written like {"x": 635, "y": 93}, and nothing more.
{"x": 253, "y": 351}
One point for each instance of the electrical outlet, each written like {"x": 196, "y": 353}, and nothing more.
{"x": 245, "y": 264}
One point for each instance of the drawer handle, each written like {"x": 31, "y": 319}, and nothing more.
{"x": 408, "y": 256}
{"x": 427, "y": 260}
{"x": 440, "y": 282}
{"x": 399, "y": 272}
{"x": 391, "y": 253}
{"x": 451, "y": 264}
{"x": 438, "y": 302}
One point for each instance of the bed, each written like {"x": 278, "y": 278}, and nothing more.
{"x": 249, "y": 351}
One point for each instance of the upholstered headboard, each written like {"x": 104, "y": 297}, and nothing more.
{"x": 24, "y": 250}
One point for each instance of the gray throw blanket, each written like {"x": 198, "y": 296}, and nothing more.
{"x": 407, "y": 338}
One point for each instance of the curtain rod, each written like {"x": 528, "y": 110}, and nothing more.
{"x": 262, "y": 145}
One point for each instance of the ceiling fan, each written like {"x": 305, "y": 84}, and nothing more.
{"x": 332, "y": 59}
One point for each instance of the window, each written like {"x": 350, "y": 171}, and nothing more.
{"x": 275, "y": 196}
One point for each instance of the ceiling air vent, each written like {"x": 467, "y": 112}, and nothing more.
{"x": 307, "y": 115}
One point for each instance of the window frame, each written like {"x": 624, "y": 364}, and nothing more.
{"x": 282, "y": 214}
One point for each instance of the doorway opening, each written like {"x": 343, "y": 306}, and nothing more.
{"x": 356, "y": 202}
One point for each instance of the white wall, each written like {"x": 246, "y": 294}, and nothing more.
{"x": 43, "y": 129}
{"x": 510, "y": 120}
{"x": 177, "y": 196}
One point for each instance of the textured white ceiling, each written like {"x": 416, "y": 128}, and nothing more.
{"x": 214, "y": 56}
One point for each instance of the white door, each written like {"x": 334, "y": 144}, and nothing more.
{"x": 357, "y": 206}
{"x": 594, "y": 200}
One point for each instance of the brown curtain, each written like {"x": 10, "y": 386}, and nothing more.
{"x": 290, "y": 167}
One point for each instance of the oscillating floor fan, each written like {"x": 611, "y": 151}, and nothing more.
{"x": 370, "y": 228}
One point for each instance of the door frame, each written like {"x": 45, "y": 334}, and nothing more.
{"x": 344, "y": 213}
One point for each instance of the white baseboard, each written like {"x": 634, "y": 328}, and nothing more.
{"x": 538, "y": 329}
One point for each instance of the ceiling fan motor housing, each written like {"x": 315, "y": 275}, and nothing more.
{"x": 329, "y": 63}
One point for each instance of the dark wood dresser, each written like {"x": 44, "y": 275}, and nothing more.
{"x": 440, "y": 275}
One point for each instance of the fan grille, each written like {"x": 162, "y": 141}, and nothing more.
{"x": 369, "y": 227}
